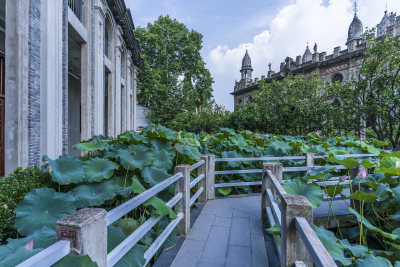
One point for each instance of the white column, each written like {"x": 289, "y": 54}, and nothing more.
{"x": 16, "y": 83}
{"x": 117, "y": 100}
{"x": 134, "y": 115}
{"x": 98, "y": 68}
{"x": 129, "y": 95}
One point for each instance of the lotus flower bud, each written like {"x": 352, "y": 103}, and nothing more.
{"x": 29, "y": 245}
{"x": 363, "y": 174}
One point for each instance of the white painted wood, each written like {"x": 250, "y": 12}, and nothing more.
{"x": 238, "y": 171}
{"x": 318, "y": 252}
{"x": 276, "y": 185}
{"x": 196, "y": 195}
{"x": 196, "y": 165}
{"x": 118, "y": 252}
{"x": 116, "y": 213}
{"x": 48, "y": 256}
{"x": 350, "y": 156}
{"x": 161, "y": 238}
{"x": 195, "y": 181}
{"x": 260, "y": 158}
{"x": 274, "y": 207}
{"x": 238, "y": 184}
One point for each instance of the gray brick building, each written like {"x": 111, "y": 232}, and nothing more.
{"x": 338, "y": 66}
{"x": 68, "y": 71}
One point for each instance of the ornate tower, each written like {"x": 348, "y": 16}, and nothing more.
{"x": 246, "y": 69}
{"x": 355, "y": 33}
{"x": 307, "y": 56}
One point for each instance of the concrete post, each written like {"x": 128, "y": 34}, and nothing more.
{"x": 86, "y": 229}
{"x": 276, "y": 169}
{"x": 211, "y": 177}
{"x": 183, "y": 186}
{"x": 309, "y": 159}
{"x": 292, "y": 246}
{"x": 203, "y": 182}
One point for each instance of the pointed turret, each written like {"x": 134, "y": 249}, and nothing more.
{"x": 356, "y": 30}
{"x": 246, "y": 69}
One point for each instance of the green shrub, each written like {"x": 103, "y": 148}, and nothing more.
{"x": 13, "y": 189}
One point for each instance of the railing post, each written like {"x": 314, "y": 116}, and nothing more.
{"x": 183, "y": 186}
{"x": 86, "y": 229}
{"x": 309, "y": 159}
{"x": 203, "y": 169}
{"x": 292, "y": 246}
{"x": 210, "y": 177}
{"x": 276, "y": 169}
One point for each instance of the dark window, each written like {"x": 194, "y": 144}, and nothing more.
{"x": 337, "y": 77}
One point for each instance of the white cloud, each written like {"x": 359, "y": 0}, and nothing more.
{"x": 289, "y": 31}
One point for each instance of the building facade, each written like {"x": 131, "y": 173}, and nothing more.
{"x": 68, "y": 72}
{"x": 338, "y": 66}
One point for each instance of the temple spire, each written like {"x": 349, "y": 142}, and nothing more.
{"x": 356, "y": 7}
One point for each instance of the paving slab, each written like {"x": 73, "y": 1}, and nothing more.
{"x": 227, "y": 233}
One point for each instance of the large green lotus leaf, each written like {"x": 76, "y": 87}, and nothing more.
{"x": 42, "y": 238}
{"x": 12, "y": 256}
{"x": 97, "y": 169}
{"x": 89, "y": 195}
{"x": 134, "y": 257}
{"x": 330, "y": 242}
{"x": 190, "y": 154}
{"x": 67, "y": 169}
{"x": 368, "y": 164}
{"x": 153, "y": 175}
{"x": 348, "y": 163}
{"x": 332, "y": 191}
{"x": 224, "y": 190}
{"x": 389, "y": 165}
{"x": 372, "y": 261}
{"x": 135, "y": 157}
{"x": 42, "y": 207}
{"x": 160, "y": 207}
{"x": 320, "y": 173}
{"x": 371, "y": 227}
{"x": 137, "y": 187}
{"x": 95, "y": 145}
{"x": 76, "y": 261}
{"x": 310, "y": 191}
{"x": 362, "y": 196}
{"x": 231, "y": 154}
{"x": 358, "y": 251}
{"x": 164, "y": 154}
{"x": 279, "y": 148}
{"x": 133, "y": 138}
{"x": 128, "y": 225}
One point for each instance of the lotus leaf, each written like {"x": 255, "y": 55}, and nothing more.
{"x": 320, "y": 173}
{"x": 357, "y": 250}
{"x": 95, "y": 145}
{"x": 224, "y": 190}
{"x": 372, "y": 261}
{"x": 42, "y": 238}
{"x": 389, "y": 165}
{"x": 367, "y": 224}
{"x": 160, "y": 207}
{"x": 310, "y": 191}
{"x": 135, "y": 157}
{"x": 279, "y": 148}
{"x": 231, "y": 154}
{"x": 137, "y": 187}
{"x": 362, "y": 196}
{"x": 164, "y": 154}
{"x": 153, "y": 175}
{"x": 274, "y": 230}
{"x": 331, "y": 243}
{"x": 128, "y": 225}
{"x": 42, "y": 207}
{"x": 89, "y": 195}
{"x": 76, "y": 261}
{"x": 67, "y": 169}
{"x": 332, "y": 191}
{"x": 98, "y": 169}
{"x": 134, "y": 257}
{"x": 12, "y": 256}
{"x": 190, "y": 154}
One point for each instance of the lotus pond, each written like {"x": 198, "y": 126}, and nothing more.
{"x": 114, "y": 170}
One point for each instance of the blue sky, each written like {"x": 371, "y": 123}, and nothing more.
{"x": 271, "y": 29}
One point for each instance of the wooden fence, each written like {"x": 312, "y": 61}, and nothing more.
{"x": 85, "y": 231}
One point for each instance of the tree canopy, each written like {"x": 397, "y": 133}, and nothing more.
{"x": 174, "y": 78}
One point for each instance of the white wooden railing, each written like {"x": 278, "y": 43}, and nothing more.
{"x": 181, "y": 203}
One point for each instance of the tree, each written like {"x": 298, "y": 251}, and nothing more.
{"x": 174, "y": 77}
{"x": 377, "y": 88}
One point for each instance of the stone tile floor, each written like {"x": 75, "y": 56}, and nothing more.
{"x": 228, "y": 232}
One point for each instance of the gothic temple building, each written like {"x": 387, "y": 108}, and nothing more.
{"x": 67, "y": 72}
{"x": 335, "y": 67}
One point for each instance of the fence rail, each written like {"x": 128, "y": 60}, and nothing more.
{"x": 295, "y": 210}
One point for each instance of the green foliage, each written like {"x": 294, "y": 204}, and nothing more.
{"x": 174, "y": 77}
{"x": 310, "y": 191}
{"x": 13, "y": 188}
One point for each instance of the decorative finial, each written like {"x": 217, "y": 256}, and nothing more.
{"x": 386, "y": 7}
{"x": 355, "y": 7}
{"x": 315, "y": 48}
{"x": 247, "y": 47}
{"x": 307, "y": 43}
{"x": 269, "y": 66}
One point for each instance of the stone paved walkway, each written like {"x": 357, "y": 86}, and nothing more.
{"x": 228, "y": 232}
